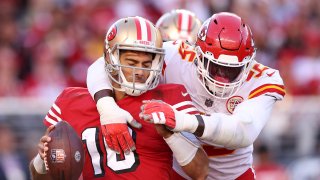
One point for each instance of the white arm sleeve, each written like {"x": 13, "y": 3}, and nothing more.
{"x": 242, "y": 127}
{"x": 97, "y": 78}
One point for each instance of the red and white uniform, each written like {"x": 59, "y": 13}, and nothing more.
{"x": 235, "y": 122}
{"x": 252, "y": 103}
{"x": 152, "y": 158}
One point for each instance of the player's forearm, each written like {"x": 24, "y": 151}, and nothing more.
{"x": 199, "y": 166}
{"x": 35, "y": 175}
{"x": 102, "y": 93}
{"x": 190, "y": 156}
{"x": 240, "y": 129}
{"x": 97, "y": 78}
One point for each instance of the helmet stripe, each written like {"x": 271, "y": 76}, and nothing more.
{"x": 189, "y": 23}
{"x": 138, "y": 27}
{"x": 143, "y": 29}
{"x": 179, "y": 21}
{"x": 185, "y": 21}
{"x": 148, "y": 31}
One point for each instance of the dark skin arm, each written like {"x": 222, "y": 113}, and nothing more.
{"x": 103, "y": 93}
{"x": 42, "y": 150}
{"x": 198, "y": 167}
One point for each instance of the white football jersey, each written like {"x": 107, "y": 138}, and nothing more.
{"x": 225, "y": 163}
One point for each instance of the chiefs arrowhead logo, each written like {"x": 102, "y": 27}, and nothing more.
{"x": 111, "y": 33}
{"x": 233, "y": 102}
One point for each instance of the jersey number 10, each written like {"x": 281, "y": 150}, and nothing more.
{"x": 90, "y": 138}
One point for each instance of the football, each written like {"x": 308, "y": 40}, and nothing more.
{"x": 65, "y": 157}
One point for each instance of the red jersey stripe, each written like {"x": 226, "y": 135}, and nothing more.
{"x": 267, "y": 88}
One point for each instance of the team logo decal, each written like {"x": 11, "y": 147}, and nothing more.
{"x": 233, "y": 102}
{"x": 58, "y": 155}
{"x": 77, "y": 156}
{"x": 112, "y": 33}
{"x": 208, "y": 103}
{"x": 203, "y": 32}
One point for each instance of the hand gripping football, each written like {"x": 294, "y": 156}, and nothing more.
{"x": 65, "y": 155}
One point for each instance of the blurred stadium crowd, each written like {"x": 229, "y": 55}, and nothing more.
{"x": 47, "y": 45}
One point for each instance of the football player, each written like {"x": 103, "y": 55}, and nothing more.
{"x": 179, "y": 24}
{"x": 133, "y": 59}
{"x": 226, "y": 83}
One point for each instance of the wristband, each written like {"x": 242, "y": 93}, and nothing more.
{"x": 183, "y": 149}
{"x": 185, "y": 122}
{"x": 39, "y": 165}
{"x": 200, "y": 129}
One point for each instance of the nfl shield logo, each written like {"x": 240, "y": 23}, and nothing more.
{"x": 58, "y": 155}
{"x": 208, "y": 103}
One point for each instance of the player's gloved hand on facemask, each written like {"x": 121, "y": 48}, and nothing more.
{"x": 114, "y": 127}
{"x": 159, "y": 112}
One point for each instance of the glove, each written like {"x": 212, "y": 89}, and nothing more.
{"x": 114, "y": 127}
{"x": 159, "y": 112}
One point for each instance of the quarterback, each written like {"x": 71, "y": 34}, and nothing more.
{"x": 234, "y": 92}
{"x": 135, "y": 68}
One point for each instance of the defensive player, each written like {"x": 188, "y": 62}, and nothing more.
{"x": 226, "y": 82}
{"x": 134, "y": 59}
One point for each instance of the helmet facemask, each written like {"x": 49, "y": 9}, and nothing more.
{"x": 132, "y": 84}
{"x": 225, "y": 52}
{"x": 135, "y": 34}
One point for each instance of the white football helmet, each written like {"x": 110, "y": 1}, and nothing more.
{"x": 179, "y": 24}
{"x": 135, "y": 34}
{"x": 225, "y": 52}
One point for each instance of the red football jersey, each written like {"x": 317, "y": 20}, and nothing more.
{"x": 152, "y": 158}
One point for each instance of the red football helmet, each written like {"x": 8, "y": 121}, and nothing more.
{"x": 225, "y": 50}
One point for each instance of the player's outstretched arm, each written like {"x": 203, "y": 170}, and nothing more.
{"x": 113, "y": 119}
{"x": 231, "y": 131}
{"x": 38, "y": 169}
{"x": 190, "y": 156}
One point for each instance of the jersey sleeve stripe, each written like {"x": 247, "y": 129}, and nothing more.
{"x": 181, "y": 104}
{"x": 54, "y": 115}
{"x": 49, "y": 120}
{"x": 189, "y": 110}
{"x": 267, "y": 88}
{"x": 55, "y": 107}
